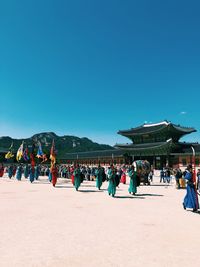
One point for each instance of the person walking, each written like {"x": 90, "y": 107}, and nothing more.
{"x": 19, "y": 173}
{"x": 10, "y": 171}
{"x": 133, "y": 180}
{"x": 99, "y": 177}
{"x": 111, "y": 181}
{"x": 77, "y": 177}
{"x": 198, "y": 180}
{"x": 54, "y": 172}
{"x": 191, "y": 199}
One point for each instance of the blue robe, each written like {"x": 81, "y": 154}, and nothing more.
{"x": 19, "y": 173}
{"x": 191, "y": 198}
{"x": 112, "y": 183}
{"x": 10, "y": 172}
{"x": 50, "y": 176}
{"x": 77, "y": 178}
{"x": 133, "y": 182}
{"x": 31, "y": 175}
{"x": 26, "y": 171}
{"x": 36, "y": 174}
{"x": 99, "y": 178}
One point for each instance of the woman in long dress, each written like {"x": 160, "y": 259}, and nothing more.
{"x": 191, "y": 199}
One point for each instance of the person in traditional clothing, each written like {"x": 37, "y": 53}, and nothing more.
{"x": 191, "y": 199}
{"x": 198, "y": 180}
{"x": 112, "y": 182}
{"x": 123, "y": 177}
{"x": 19, "y": 173}
{"x": 26, "y": 171}
{"x": 77, "y": 177}
{"x": 133, "y": 180}
{"x": 1, "y": 170}
{"x": 54, "y": 171}
{"x": 14, "y": 170}
{"x": 36, "y": 173}
{"x": 32, "y": 174}
{"x": 50, "y": 176}
{"x": 10, "y": 171}
{"x": 99, "y": 177}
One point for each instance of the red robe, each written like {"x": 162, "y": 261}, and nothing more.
{"x": 72, "y": 177}
{"x": 1, "y": 171}
{"x": 123, "y": 178}
{"x": 54, "y": 172}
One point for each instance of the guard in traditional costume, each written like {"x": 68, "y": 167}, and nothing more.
{"x": 77, "y": 178}
{"x": 10, "y": 171}
{"x": 99, "y": 177}
{"x": 26, "y": 171}
{"x": 191, "y": 198}
{"x": 1, "y": 171}
{"x": 54, "y": 172}
{"x": 111, "y": 181}
{"x": 133, "y": 181}
{"x": 36, "y": 173}
{"x": 32, "y": 174}
{"x": 19, "y": 173}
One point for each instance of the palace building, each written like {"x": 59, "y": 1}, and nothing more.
{"x": 158, "y": 143}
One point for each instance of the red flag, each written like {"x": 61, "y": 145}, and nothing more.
{"x": 53, "y": 154}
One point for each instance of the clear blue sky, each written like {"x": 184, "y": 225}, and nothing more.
{"x": 90, "y": 68}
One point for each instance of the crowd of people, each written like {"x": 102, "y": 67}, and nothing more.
{"x": 78, "y": 173}
{"x": 112, "y": 174}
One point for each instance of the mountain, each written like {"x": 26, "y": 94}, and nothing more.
{"x": 64, "y": 144}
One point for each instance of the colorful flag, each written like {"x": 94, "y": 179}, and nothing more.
{"x": 10, "y": 152}
{"x": 25, "y": 154}
{"x": 53, "y": 154}
{"x": 40, "y": 153}
{"x": 32, "y": 155}
{"x": 20, "y": 152}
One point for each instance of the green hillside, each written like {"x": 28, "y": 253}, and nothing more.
{"x": 64, "y": 144}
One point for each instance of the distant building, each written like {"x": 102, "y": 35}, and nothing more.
{"x": 158, "y": 143}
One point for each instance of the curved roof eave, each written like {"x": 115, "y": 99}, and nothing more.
{"x": 161, "y": 145}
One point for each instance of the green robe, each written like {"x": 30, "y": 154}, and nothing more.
{"x": 133, "y": 182}
{"x": 77, "y": 178}
{"x": 112, "y": 183}
{"x": 99, "y": 178}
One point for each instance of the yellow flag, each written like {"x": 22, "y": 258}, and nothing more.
{"x": 20, "y": 152}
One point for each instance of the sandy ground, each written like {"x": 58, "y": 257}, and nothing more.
{"x": 46, "y": 226}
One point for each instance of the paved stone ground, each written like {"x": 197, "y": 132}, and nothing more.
{"x": 46, "y": 226}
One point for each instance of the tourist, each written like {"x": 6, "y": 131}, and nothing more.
{"x": 133, "y": 181}
{"x": 191, "y": 198}
{"x": 162, "y": 176}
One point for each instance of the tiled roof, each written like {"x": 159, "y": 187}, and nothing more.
{"x": 157, "y": 127}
